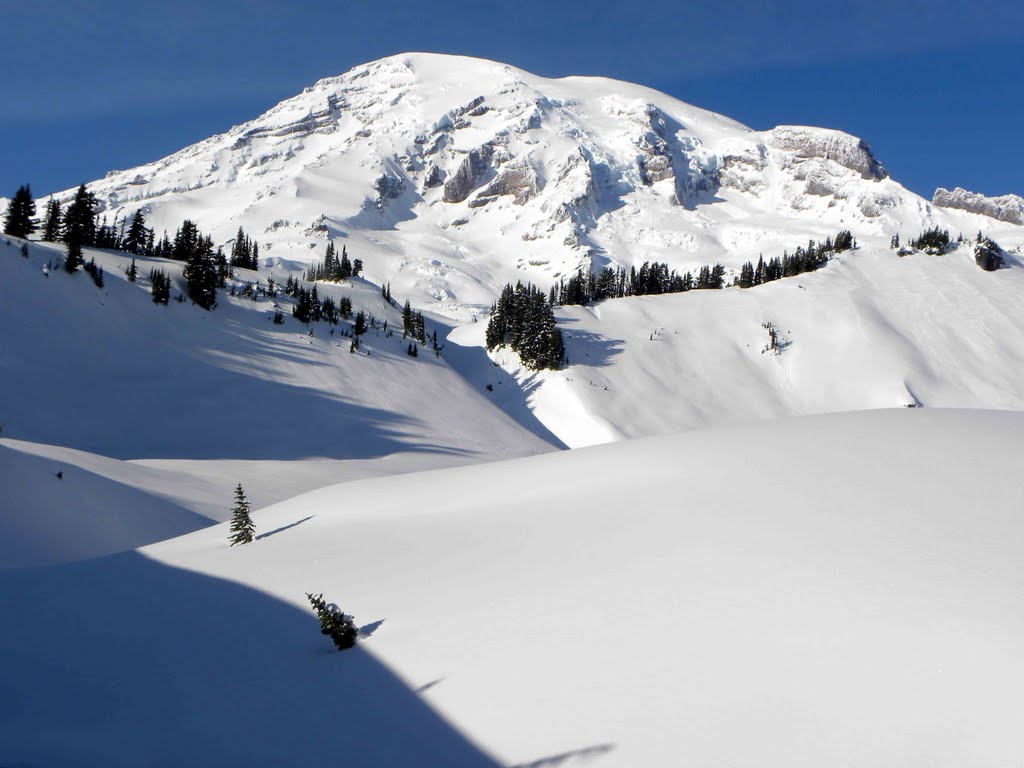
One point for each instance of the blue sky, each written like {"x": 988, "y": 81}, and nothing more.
{"x": 937, "y": 87}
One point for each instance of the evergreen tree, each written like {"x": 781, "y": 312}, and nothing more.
{"x": 52, "y": 223}
{"x": 360, "y": 324}
{"x": 345, "y": 266}
{"x": 200, "y": 275}
{"x": 242, "y": 529}
{"x": 132, "y": 272}
{"x": 73, "y": 259}
{"x": 160, "y": 286}
{"x": 80, "y": 219}
{"x": 336, "y": 624}
{"x": 138, "y": 235}
{"x": 20, "y": 219}
{"x": 187, "y": 242}
{"x": 357, "y": 267}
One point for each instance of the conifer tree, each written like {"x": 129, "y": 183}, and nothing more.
{"x": 160, "y": 286}
{"x": 132, "y": 272}
{"x": 138, "y": 235}
{"x": 242, "y": 529}
{"x": 80, "y": 219}
{"x": 73, "y": 259}
{"x": 52, "y": 223}
{"x": 336, "y": 624}
{"x": 201, "y": 275}
{"x": 20, "y": 221}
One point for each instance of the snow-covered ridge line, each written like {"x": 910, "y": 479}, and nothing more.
{"x": 457, "y": 175}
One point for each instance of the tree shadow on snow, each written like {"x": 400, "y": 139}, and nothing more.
{"x": 125, "y": 661}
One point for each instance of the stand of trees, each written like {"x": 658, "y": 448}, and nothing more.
{"x": 245, "y": 253}
{"x": 934, "y": 241}
{"x": 652, "y": 278}
{"x": 332, "y": 269}
{"x": 413, "y": 324}
{"x": 524, "y": 319}
{"x": 813, "y": 257}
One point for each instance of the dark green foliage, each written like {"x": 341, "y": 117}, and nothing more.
{"x": 357, "y": 267}
{"x": 844, "y": 242}
{"x": 245, "y": 253}
{"x": 132, "y": 273}
{"x": 187, "y": 241}
{"x": 278, "y": 317}
{"x": 160, "y": 286}
{"x": 80, "y": 219}
{"x": 360, "y": 324}
{"x": 344, "y": 266}
{"x": 934, "y": 241}
{"x": 139, "y": 238}
{"x": 339, "y": 626}
{"x": 95, "y": 272}
{"x": 242, "y": 529}
{"x": 20, "y": 219}
{"x": 413, "y": 324}
{"x": 52, "y": 224}
{"x": 73, "y": 259}
{"x": 107, "y": 236}
{"x": 200, "y": 273}
{"x": 524, "y": 319}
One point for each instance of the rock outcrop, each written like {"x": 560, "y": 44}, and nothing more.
{"x": 469, "y": 175}
{"x": 1003, "y": 208}
{"x": 842, "y": 148}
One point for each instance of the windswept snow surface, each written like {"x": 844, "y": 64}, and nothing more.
{"x": 803, "y": 592}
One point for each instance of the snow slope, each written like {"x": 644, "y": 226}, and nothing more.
{"x": 46, "y": 519}
{"x": 870, "y": 330}
{"x": 160, "y": 411}
{"x": 804, "y": 592}
{"x": 450, "y": 176}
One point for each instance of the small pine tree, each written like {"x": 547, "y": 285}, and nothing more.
{"x": 132, "y": 272}
{"x": 339, "y": 626}
{"x": 242, "y": 528}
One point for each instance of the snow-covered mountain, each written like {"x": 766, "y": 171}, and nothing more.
{"x": 735, "y": 586}
{"x": 450, "y": 176}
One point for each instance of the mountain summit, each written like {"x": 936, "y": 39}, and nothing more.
{"x": 453, "y": 175}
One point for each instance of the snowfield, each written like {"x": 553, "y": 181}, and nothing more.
{"x": 799, "y": 554}
{"x": 803, "y": 592}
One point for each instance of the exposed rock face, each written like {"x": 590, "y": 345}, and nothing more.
{"x": 848, "y": 151}
{"x": 656, "y": 163}
{"x": 467, "y": 177}
{"x": 517, "y": 179}
{"x": 433, "y": 177}
{"x": 1003, "y": 208}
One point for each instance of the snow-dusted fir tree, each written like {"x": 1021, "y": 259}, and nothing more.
{"x": 242, "y": 528}
{"x": 340, "y": 626}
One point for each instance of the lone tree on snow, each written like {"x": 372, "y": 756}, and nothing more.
{"x": 334, "y": 622}
{"x": 242, "y": 528}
